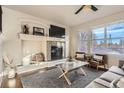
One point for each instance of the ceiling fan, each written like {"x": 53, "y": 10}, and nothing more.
{"x": 86, "y": 7}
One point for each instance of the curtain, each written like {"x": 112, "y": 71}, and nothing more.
{"x": 0, "y": 18}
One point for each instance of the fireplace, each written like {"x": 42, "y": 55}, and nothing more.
{"x": 56, "y": 52}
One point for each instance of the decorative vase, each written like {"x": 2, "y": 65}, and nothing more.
{"x": 25, "y": 29}
{"x": 70, "y": 59}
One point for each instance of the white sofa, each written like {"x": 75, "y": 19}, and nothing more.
{"x": 107, "y": 79}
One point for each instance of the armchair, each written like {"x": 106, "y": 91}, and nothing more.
{"x": 98, "y": 60}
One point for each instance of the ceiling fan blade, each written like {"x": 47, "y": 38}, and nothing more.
{"x": 79, "y": 9}
{"x": 93, "y": 8}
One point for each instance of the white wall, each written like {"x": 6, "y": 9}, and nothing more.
{"x": 30, "y": 47}
{"x": 1, "y": 68}
{"x": 113, "y": 59}
{"x": 12, "y": 21}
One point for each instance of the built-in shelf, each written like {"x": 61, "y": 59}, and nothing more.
{"x": 39, "y": 38}
{"x": 54, "y": 39}
{"x": 43, "y": 42}
{"x": 31, "y": 37}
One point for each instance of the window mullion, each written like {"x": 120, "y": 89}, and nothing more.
{"x": 105, "y": 37}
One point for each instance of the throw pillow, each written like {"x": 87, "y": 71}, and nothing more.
{"x": 122, "y": 67}
{"x": 80, "y": 55}
{"x": 33, "y": 58}
{"x": 39, "y": 57}
{"x": 121, "y": 63}
{"x": 98, "y": 58}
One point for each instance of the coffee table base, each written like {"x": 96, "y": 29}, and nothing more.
{"x": 64, "y": 74}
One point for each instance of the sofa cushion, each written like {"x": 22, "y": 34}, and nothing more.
{"x": 120, "y": 83}
{"x": 109, "y": 76}
{"x": 95, "y": 84}
{"x": 113, "y": 84}
{"x": 102, "y": 82}
{"x": 117, "y": 70}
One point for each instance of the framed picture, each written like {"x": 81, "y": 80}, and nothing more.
{"x": 38, "y": 31}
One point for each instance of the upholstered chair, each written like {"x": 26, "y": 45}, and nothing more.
{"x": 98, "y": 60}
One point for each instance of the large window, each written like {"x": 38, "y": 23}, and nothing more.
{"x": 82, "y": 41}
{"x": 98, "y": 42}
{"x": 109, "y": 39}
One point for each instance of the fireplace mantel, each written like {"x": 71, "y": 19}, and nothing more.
{"x": 39, "y": 38}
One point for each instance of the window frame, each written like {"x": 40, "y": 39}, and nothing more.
{"x": 105, "y": 39}
{"x": 83, "y": 40}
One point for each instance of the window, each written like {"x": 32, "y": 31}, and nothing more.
{"x": 98, "y": 42}
{"x": 82, "y": 42}
{"x": 115, "y": 30}
{"x": 109, "y": 39}
{"x": 98, "y": 33}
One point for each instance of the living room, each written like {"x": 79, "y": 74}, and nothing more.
{"x": 36, "y": 51}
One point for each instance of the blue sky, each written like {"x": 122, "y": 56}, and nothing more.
{"x": 113, "y": 33}
{"x": 116, "y": 30}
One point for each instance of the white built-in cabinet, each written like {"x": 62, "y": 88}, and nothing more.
{"x": 44, "y": 42}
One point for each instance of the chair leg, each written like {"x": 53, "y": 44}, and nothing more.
{"x": 97, "y": 68}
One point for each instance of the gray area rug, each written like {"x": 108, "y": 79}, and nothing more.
{"x": 49, "y": 79}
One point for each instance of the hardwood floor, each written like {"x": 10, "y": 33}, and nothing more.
{"x": 12, "y": 83}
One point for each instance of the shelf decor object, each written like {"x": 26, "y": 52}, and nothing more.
{"x": 25, "y": 29}
{"x": 38, "y": 31}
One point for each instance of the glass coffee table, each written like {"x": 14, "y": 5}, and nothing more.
{"x": 71, "y": 66}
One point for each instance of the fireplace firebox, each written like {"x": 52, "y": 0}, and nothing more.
{"x": 56, "y": 52}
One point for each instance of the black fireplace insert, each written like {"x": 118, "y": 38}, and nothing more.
{"x": 56, "y": 52}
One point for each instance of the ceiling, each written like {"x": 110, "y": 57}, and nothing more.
{"x": 64, "y": 14}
